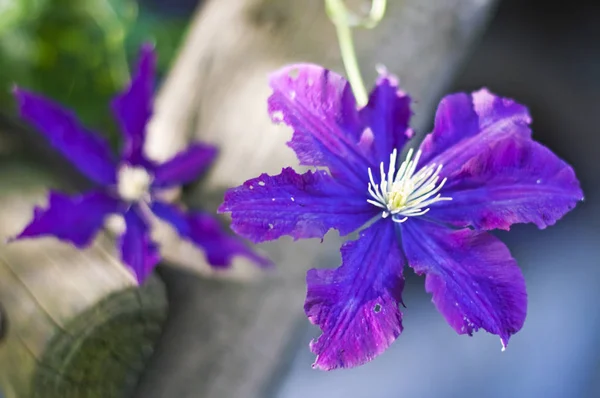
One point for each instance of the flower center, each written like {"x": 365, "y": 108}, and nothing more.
{"x": 405, "y": 192}
{"x": 133, "y": 183}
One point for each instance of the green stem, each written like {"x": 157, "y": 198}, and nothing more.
{"x": 339, "y": 16}
{"x": 344, "y": 21}
{"x": 375, "y": 15}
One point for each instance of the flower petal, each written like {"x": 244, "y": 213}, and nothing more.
{"x": 133, "y": 107}
{"x": 516, "y": 180}
{"x": 205, "y": 231}
{"x": 467, "y": 124}
{"x": 357, "y": 304}
{"x": 300, "y": 205}
{"x": 89, "y": 152}
{"x": 138, "y": 251}
{"x": 319, "y": 106}
{"x": 76, "y": 219}
{"x": 473, "y": 278}
{"x": 185, "y": 166}
{"x": 387, "y": 115}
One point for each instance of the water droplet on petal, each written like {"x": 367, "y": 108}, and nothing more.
{"x": 277, "y": 117}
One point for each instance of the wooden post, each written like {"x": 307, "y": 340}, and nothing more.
{"x": 73, "y": 322}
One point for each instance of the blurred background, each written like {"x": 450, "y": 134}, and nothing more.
{"x": 79, "y": 52}
{"x": 544, "y": 55}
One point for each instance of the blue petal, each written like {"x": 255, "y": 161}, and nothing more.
{"x": 76, "y": 219}
{"x": 206, "y": 232}
{"x": 133, "y": 108}
{"x": 466, "y": 124}
{"x": 473, "y": 278}
{"x": 86, "y": 150}
{"x": 138, "y": 251}
{"x": 300, "y": 205}
{"x": 186, "y": 166}
{"x": 387, "y": 115}
{"x": 319, "y": 106}
{"x": 357, "y": 304}
{"x": 516, "y": 180}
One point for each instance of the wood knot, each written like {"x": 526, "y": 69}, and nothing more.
{"x": 268, "y": 15}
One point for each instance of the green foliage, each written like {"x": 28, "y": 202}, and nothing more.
{"x": 78, "y": 51}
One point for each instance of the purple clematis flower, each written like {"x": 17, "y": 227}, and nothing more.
{"x": 478, "y": 170}
{"x": 129, "y": 185}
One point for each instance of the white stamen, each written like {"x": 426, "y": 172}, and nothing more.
{"x": 133, "y": 183}
{"x": 406, "y": 192}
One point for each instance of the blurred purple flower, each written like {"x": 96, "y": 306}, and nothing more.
{"x": 129, "y": 185}
{"x": 478, "y": 170}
